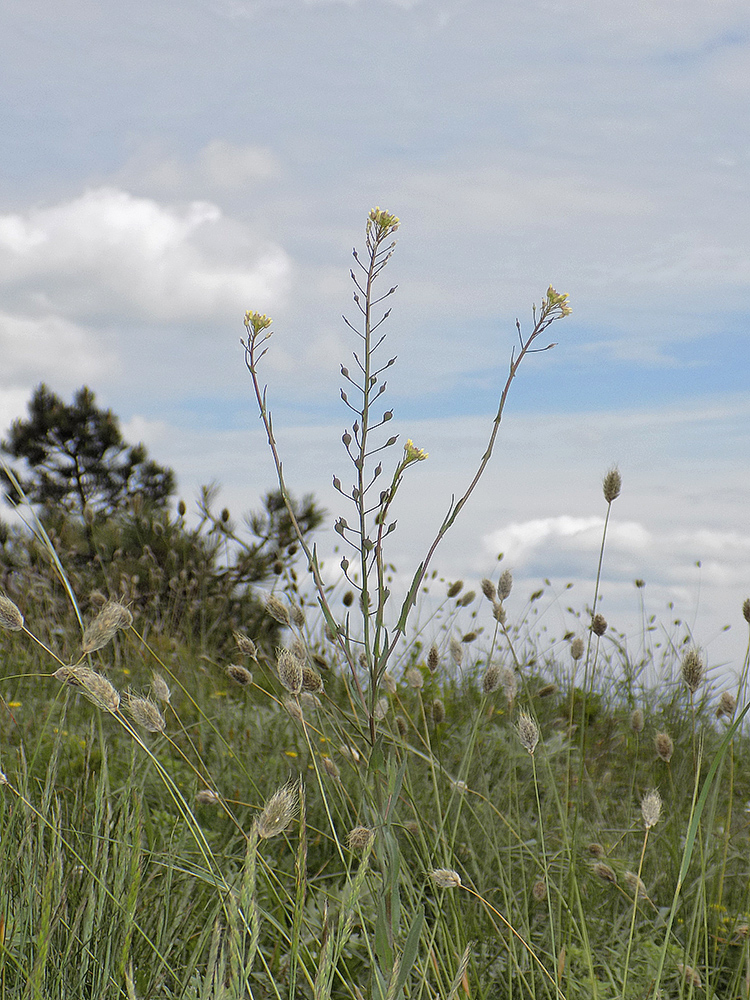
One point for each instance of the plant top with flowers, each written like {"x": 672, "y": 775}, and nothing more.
{"x": 364, "y": 533}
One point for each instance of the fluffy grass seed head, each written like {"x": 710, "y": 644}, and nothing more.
{"x": 612, "y": 484}
{"x": 690, "y": 975}
{"x": 598, "y": 625}
{"x": 402, "y": 726}
{"x": 604, "y": 872}
{"x": 455, "y": 588}
{"x": 528, "y": 732}
{"x": 727, "y": 705}
{"x": 489, "y": 590}
{"x": 278, "y": 610}
{"x": 311, "y": 680}
{"x": 94, "y": 686}
{"x": 636, "y": 886}
{"x": 294, "y": 709}
{"x": 331, "y": 768}
{"x": 388, "y": 682}
{"x": 651, "y": 808}
{"x": 577, "y": 648}
{"x": 746, "y": 610}
{"x": 381, "y": 709}
{"x": 297, "y": 616}
{"x": 438, "y": 711}
{"x": 207, "y": 797}
{"x": 498, "y": 612}
{"x": 445, "y": 878}
{"x": 457, "y": 651}
{"x": 510, "y": 685}
{"x": 360, "y": 838}
{"x": 245, "y": 644}
{"x": 145, "y": 713}
{"x": 105, "y": 626}
{"x": 491, "y": 679}
{"x": 504, "y": 585}
{"x": 11, "y": 618}
{"x": 239, "y": 674}
{"x": 415, "y": 678}
{"x": 692, "y": 670}
{"x": 160, "y": 689}
{"x": 539, "y": 891}
{"x": 636, "y": 720}
{"x": 547, "y": 690}
{"x": 664, "y": 746}
{"x": 289, "y": 670}
{"x": 279, "y": 811}
{"x": 433, "y": 659}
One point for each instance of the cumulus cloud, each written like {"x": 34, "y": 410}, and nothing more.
{"x": 109, "y": 254}
{"x": 50, "y": 347}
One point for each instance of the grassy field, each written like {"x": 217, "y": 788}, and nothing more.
{"x": 445, "y": 801}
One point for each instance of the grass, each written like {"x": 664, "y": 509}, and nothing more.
{"x": 442, "y": 800}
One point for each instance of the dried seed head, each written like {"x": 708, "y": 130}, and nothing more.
{"x": 727, "y": 704}
{"x": 488, "y": 589}
{"x": 468, "y": 637}
{"x": 10, "y": 617}
{"x": 690, "y": 975}
{"x": 445, "y": 878}
{"x": 636, "y": 886}
{"x": 692, "y": 670}
{"x": 294, "y": 709}
{"x": 598, "y": 624}
{"x": 596, "y": 850}
{"x": 414, "y": 678}
{"x": 299, "y": 649}
{"x": 381, "y": 709}
{"x": 94, "y": 686}
{"x": 239, "y": 674}
{"x": 309, "y": 701}
{"x": 528, "y": 732}
{"x": 438, "y": 711}
{"x": 577, "y": 648}
{"x": 504, "y": 585}
{"x": 651, "y": 808}
{"x": 160, "y": 689}
{"x": 491, "y": 679}
{"x": 664, "y": 746}
{"x": 402, "y": 726}
{"x": 539, "y": 890}
{"x": 389, "y": 684}
{"x": 604, "y": 872}
{"x": 277, "y": 610}
{"x": 546, "y": 691}
{"x": 105, "y": 626}
{"x": 350, "y": 753}
{"x": 746, "y": 610}
{"x": 457, "y": 651}
{"x": 311, "y": 680}
{"x": 245, "y": 644}
{"x": 145, "y": 713}
{"x": 510, "y": 685}
{"x": 636, "y": 720}
{"x": 207, "y": 797}
{"x": 455, "y": 588}
{"x": 498, "y": 612}
{"x": 331, "y": 768}
{"x": 360, "y": 838}
{"x": 297, "y": 615}
{"x": 433, "y": 659}
{"x": 289, "y": 670}
{"x": 279, "y": 811}
{"x": 467, "y": 599}
{"x": 612, "y": 484}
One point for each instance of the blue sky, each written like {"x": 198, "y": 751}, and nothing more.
{"x": 169, "y": 165}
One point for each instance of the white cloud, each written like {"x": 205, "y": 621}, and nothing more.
{"x": 49, "y": 347}
{"x": 110, "y": 255}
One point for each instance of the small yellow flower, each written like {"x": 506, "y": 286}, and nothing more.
{"x": 413, "y": 454}
{"x": 256, "y": 322}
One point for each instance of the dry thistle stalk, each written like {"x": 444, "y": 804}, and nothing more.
{"x": 279, "y": 811}
{"x": 445, "y": 878}
{"x": 145, "y": 713}
{"x": 692, "y": 670}
{"x": 94, "y": 686}
{"x": 651, "y": 808}
{"x": 11, "y": 618}
{"x": 239, "y": 674}
{"x": 245, "y": 645}
{"x": 289, "y": 670}
{"x": 612, "y": 484}
{"x": 664, "y": 746}
{"x": 105, "y": 626}
{"x": 528, "y": 732}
